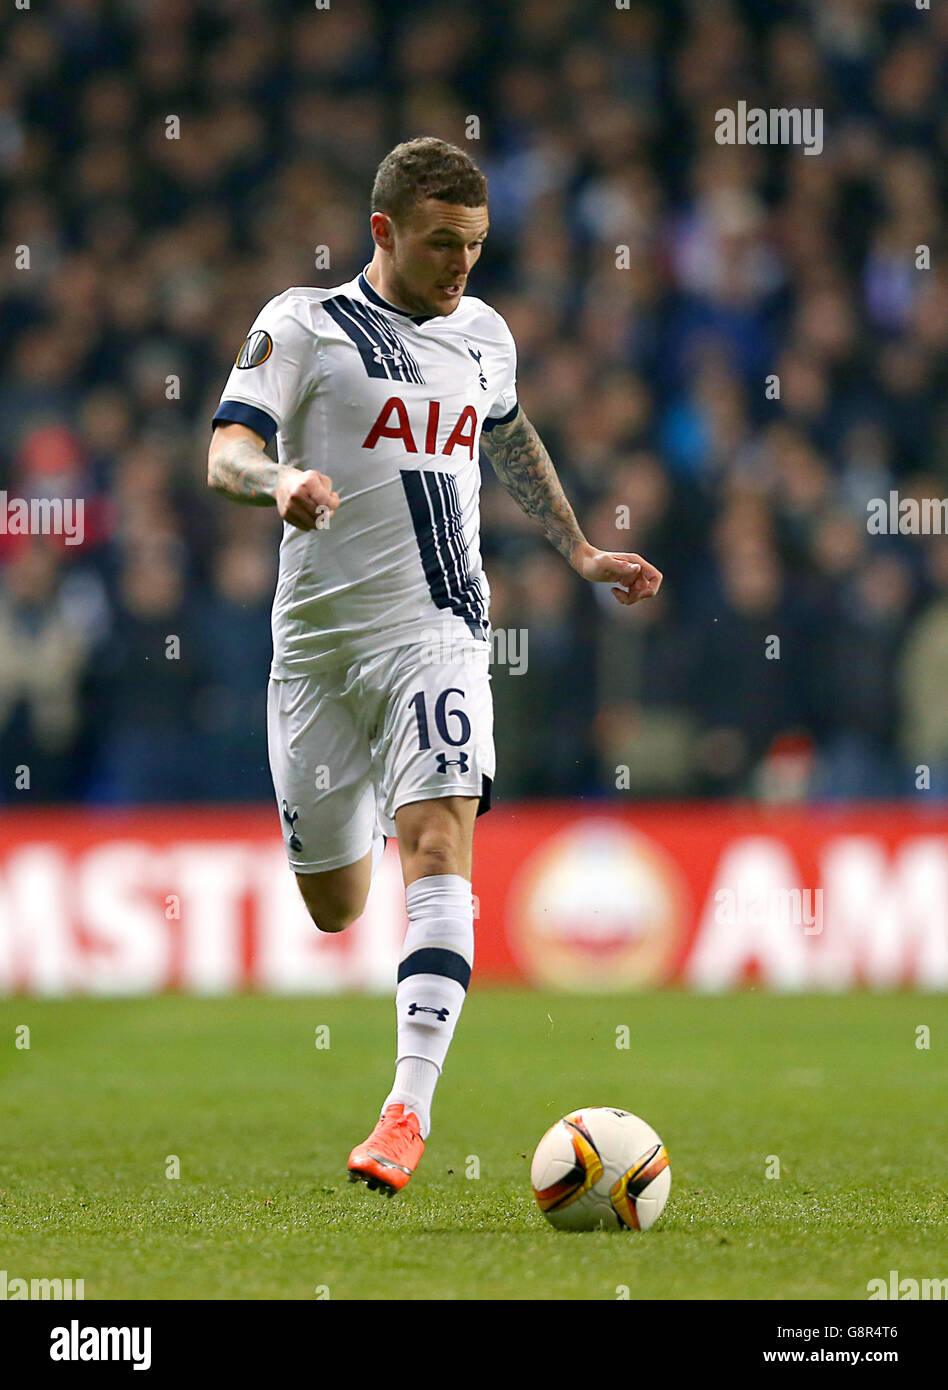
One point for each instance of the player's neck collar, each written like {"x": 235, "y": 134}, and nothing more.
{"x": 375, "y": 298}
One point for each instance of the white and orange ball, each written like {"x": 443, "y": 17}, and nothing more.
{"x": 598, "y": 1168}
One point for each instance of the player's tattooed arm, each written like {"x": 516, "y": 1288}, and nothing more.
{"x": 519, "y": 458}
{"x": 238, "y": 467}
{"x": 521, "y": 462}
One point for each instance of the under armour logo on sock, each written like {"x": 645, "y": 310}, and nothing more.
{"x": 295, "y": 842}
{"x": 440, "y": 1014}
{"x": 444, "y": 762}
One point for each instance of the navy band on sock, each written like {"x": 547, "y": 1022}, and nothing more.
{"x": 436, "y": 960}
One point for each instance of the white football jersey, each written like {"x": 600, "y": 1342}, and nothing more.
{"x": 391, "y": 407}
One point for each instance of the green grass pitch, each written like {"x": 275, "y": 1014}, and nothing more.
{"x": 262, "y": 1121}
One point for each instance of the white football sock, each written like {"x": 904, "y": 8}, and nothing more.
{"x": 414, "y": 1086}
{"x": 433, "y": 976}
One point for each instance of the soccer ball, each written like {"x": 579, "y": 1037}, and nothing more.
{"x": 601, "y": 1168}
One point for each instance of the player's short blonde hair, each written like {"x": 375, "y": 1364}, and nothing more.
{"x": 426, "y": 168}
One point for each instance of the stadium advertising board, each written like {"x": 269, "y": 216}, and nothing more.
{"x": 568, "y": 896}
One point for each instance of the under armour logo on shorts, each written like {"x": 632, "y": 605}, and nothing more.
{"x": 444, "y": 762}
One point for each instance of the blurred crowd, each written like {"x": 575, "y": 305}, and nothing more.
{"x": 729, "y": 351}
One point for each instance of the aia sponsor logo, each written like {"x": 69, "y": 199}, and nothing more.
{"x": 394, "y": 422}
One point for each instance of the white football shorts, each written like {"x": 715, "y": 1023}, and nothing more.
{"x": 349, "y": 746}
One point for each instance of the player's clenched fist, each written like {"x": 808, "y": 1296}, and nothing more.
{"x": 305, "y": 500}
{"x": 631, "y": 576}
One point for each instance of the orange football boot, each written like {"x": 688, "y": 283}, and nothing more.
{"x": 386, "y": 1160}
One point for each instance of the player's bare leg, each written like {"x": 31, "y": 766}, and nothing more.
{"x": 435, "y": 840}
{"x": 335, "y": 899}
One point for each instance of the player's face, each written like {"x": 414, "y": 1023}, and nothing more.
{"x": 433, "y": 254}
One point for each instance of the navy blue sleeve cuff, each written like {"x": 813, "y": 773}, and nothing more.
{"x": 236, "y": 413}
{"x": 503, "y": 419}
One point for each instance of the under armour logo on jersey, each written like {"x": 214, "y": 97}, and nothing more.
{"x": 383, "y": 353}
{"x": 477, "y": 358}
{"x": 444, "y": 762}
{"x": 440, "y": 1014}
{"x": 393, "y": 355}
{"x": 295, "y": 842}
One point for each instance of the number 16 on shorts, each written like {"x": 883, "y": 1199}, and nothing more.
{"x": 451, "y": 724}
{"x": 445, "y": 730}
